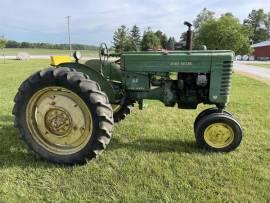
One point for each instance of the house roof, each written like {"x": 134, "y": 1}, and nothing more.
{"x": 261, "y": 44}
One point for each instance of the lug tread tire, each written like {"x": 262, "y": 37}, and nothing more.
{"x": 91, "y": 94}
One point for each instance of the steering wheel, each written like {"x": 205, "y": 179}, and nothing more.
{"x": 103, "y": 54}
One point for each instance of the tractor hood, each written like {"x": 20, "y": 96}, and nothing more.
{"x": 184, "y": 61}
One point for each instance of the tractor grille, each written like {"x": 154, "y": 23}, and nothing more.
{"x": 226, "y": 78}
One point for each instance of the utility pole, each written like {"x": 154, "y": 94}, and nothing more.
{"x": 3, "y": 49}
{"x": 69, "y": 40}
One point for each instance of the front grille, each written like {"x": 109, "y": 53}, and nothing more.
{"x": 226, "y": 78}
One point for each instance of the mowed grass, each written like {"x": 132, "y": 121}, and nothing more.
{"x": 151, "y": 158}
{"x": 263, "y": 65}
{"x": 86, "y": 53}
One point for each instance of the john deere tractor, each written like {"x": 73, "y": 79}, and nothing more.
{"x": 66, "y": 113}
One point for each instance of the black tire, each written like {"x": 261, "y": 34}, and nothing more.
{"x": 219, "y": 118}
{"x": 123, "y": 112}
{"x": 92, "y": 97}
{"x": 205, "y": 113}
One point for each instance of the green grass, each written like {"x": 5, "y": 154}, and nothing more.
{"x": 151, "y": 158}
{"x": 263, "y": 65}
{"x": 89, "y": 53}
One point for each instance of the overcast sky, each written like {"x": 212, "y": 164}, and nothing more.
{"x": 94, "y": 21}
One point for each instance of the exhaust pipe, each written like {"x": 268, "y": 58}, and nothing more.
{"x": 189, "y": 36}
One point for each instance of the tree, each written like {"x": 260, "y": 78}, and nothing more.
{"x": 150, "y": 41}
{"x": 41, "y": 45}
{"x": 135, "y": 36}
{"x": 225, "y": 33}
{"x": 257, "y": 24}
{"x": 121, "y": 40}
{"x": 3, "y": 42}
{"x": 25, "y": 45}
{"x": 13, "y": 44}
{"x": 267, "y": 24}
{"x": 171, "y": 44}
{"x": 162, "y": 38}
{"x": 203, "y": 17}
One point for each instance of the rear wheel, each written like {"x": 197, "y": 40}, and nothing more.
{"x": 63, "y": 116}
{"x": 219, "y": 132}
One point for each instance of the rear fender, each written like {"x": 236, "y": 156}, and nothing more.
{"x": 105, "y": 85}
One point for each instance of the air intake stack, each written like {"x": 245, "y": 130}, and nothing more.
{"x": 189, "y": 36}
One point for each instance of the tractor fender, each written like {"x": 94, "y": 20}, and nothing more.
{"x": 105, "y": 85}
{"x": 110, "y": 70}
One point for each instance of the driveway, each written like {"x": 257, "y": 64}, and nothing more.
{"x": 253, "y": 71}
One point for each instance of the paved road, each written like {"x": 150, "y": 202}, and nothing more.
{"x": 253, "y": 70}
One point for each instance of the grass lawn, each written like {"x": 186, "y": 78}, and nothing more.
{"x": 151, "y": 158}
{"x": 263, "y": 65}
{"x": 89, "y": 53}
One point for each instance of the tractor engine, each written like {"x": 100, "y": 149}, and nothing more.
{"x": 187, "y": 91}
{"x": 192, "y": 90}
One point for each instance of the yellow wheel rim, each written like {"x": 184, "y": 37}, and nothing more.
{"x": 219, "y": 135}
{"x": 59, "y": 120}
{"x": 116, "y": 108}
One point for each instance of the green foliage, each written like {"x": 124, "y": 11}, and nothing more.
{"x": 267, "y": 23}
{"x": 171, "y": 44}
{"x": 183, "y": 37}
{"x": 152, "y": 157}
{"x": 204, "y": 16}
{"x": 3, "y": 42}
{"x": 225, "y": 33}
{"x": 15, "y": 44}
{"x": 135, "y": 37}
{"x": 121, "y": 40}
{"x": 162, "y": 38}
{"x": 25, "y": 45}
{"x": 150, "y": 41}
{"x": 258, "y": 23}
{"x": 39, "y": 51}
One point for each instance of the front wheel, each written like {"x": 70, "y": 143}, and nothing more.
{"x": 205, "y": 113}
{"x": 219, "y": 132}
{"x": 63, "y": 116}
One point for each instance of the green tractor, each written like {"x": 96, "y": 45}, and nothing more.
{"x": 66, "y": 113}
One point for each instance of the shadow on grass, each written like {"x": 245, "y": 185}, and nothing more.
{"x": 157, "y": 145}
{"x": 14, "y": 153}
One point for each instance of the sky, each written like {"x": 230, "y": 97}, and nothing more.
{"x": 94, "y": 21}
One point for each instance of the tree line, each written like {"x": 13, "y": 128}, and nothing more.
{"x": 15, "y": 44}
{"x": 131, "y": 40}
{"x": 224, "y": 32}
